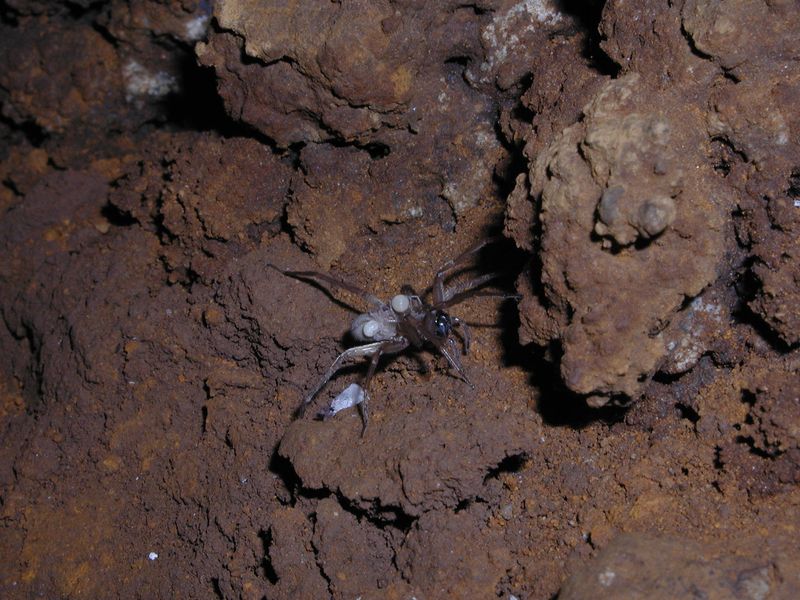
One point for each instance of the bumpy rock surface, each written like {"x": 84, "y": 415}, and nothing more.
{"x": 620, "y": 216}
{"x": 668, "y": 568}
{"x": 634, "y": 200}
{"x": 162, "y": 161}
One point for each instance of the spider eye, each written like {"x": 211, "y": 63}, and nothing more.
{"x": 441, "y": 326}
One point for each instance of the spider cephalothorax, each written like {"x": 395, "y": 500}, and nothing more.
{"x": 405, "y": 321}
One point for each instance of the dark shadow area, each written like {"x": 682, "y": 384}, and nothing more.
{"x": 588, "y": 13}
{"x": 513, "y": 463}
{"x": 747, "y": 287}
{"x": 376, "y": 150}
{"x": 281, "y": 467}
{"x": 463, "y": 505}
{"x": 558, "y": 405}
{"x": 382, "y": 517}
{"x": 748, "y": 397}
{"x": 27, "y": 130}
{"x": 750, "y": 442}
{"x": 456, "y": 69}
{"x": 215, "y": 585}
{"x": 197, "y": 105}
{"x": 687, "y": 412}
{"x": 499, "y": 256}
{"x": 117, "y": 217}
{"x": 266, "y": 563}
{"x": 793, "y": 189}
{"x": 76, "y": 11}
{"x": 505, "y": 176}
{"x": 725, "y": 156}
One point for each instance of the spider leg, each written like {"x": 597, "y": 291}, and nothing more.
{"x": 461, "y": 291}
{"x": 391, "y": 346}
{"x": 451, "y": 265}
{"x": 317, "y": 277}
{"x": 450, "y": 352}
{"x": 363, "y": 409}
{"x": 350, "y": 353}
{"x": 474, "y": 293}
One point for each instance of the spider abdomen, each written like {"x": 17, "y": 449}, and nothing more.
{"x": 375, "y": 326}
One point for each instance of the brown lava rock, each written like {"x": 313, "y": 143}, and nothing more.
{"x": 612, "y": 180}
{"x": 668, "y": 568}
{"x": 634, "y": 196}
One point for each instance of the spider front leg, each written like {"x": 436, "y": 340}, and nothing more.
{"x": 466, "y": 289}
{"x": 452, "y": 265}
{"x": 392, "y": 346}
{"x": 334, "y": 282}
{"x": 449, "y": 350}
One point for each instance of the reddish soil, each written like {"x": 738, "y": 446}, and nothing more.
{"x": 634, "y": 426}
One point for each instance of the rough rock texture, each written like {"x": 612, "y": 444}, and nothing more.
{"x": 162, "y": 160}
{"x": 669, "y": 568}
{"x": 384, "y": 76}
{"x": 618, "y": 212}
{"x": 752, "y": 112}
{"x": 54, "y": 89}
{"x": 634, "y": 199}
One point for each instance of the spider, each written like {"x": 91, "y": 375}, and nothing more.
{"x": 405, "y": 321}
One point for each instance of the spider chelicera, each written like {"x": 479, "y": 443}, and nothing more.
{"x": 405, "y": 321}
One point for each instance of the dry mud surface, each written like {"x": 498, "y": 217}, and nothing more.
{"x": 634, "y": 426}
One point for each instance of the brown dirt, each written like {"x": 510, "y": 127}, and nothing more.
{"x": 634, "y": 430}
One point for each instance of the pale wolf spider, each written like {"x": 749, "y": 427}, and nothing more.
{"x": 405, "y": 321}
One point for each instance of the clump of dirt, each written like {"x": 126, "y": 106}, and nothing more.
{"x": 633, "y": 422}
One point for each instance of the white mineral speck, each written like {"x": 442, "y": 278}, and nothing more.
{"x": 139, "y": 81}
{"x": 196, "y": 28}
{"x": 152, "y": 556}
{"x": 606, "y": 578}
{"x": 499, "y": 36}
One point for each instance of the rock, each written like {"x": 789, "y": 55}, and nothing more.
{"x": 586, "y": 181}
{"x": 642, "y": 566}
